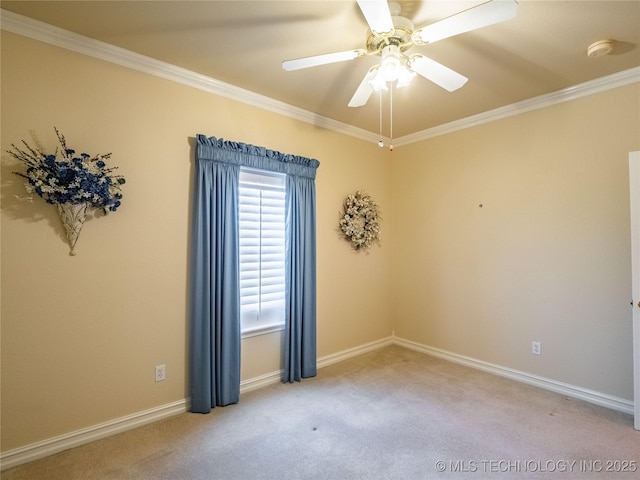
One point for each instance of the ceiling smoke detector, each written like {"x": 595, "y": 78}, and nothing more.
{"x": 600, "y": 48}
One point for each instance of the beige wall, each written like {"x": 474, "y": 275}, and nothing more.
{"x": 546, "y": 258}
{"x": 81, "y": 335}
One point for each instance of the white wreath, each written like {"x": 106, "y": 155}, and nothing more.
{"x": 360, "y": 221}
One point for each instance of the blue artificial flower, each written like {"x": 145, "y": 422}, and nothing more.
{"x": 70, "y": 180}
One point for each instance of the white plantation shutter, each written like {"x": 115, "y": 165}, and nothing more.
{"x": 262, "y": 230}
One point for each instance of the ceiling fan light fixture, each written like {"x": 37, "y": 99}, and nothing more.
{"x": 392, "y": 63}
{"x": 405, "y": 77}
{"x": 378, "y": 83}
{"x": 390, "y": 36}
{"x": 393, "y": 68}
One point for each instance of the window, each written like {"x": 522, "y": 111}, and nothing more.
{"x": 262, "y": 258}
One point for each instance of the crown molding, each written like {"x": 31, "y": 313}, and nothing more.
{"x": 620, "y": 79}
{"x": 36, "y": 30}
{"x": 43, "y": 32}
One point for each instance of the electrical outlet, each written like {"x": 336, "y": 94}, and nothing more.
{"x": 161, "y": 373}
{"x": 536, "y": 348}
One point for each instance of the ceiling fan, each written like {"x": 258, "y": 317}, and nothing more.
{"x": 390, "y": 36}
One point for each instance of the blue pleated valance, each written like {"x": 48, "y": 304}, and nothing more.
{"x": 246, "y": 155}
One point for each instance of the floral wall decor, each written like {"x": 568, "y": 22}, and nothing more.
{"x": 72, "y": 182}
{"x": 360, "y": 220}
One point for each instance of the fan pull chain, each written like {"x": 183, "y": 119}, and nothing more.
{"x": 380, "y": 143}
{"x": 391, "y": 118}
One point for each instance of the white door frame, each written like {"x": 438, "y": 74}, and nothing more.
{"x": 634, "y": 189}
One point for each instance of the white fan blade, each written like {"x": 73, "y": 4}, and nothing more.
{"x": 436, "y": 72}
{"x": 377, "y": 14}
{"x": 364, "y": 90}
{"x": 324, "y": 59}
{"x": 489, "y": 13}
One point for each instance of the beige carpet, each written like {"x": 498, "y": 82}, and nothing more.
{"x": 389, "y": 414}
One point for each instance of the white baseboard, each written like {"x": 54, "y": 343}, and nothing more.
{"x": 353, "y": 352}
{"x": 50, "y": 446}
{"x": 276, "y": 377}
{"x": 590, "y": 396}
{"x": 260, "y": 381}
{"x": 44, "y": 448}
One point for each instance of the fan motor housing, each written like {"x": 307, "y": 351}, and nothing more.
{"x": 399, "y": 36}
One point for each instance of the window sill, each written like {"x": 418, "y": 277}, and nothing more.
{"x": 256, "y": 331}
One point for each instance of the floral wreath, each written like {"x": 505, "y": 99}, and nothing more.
{"x": 360, "y": 220}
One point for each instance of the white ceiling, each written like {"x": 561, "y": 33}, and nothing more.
{"x": 244, "y": 42}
